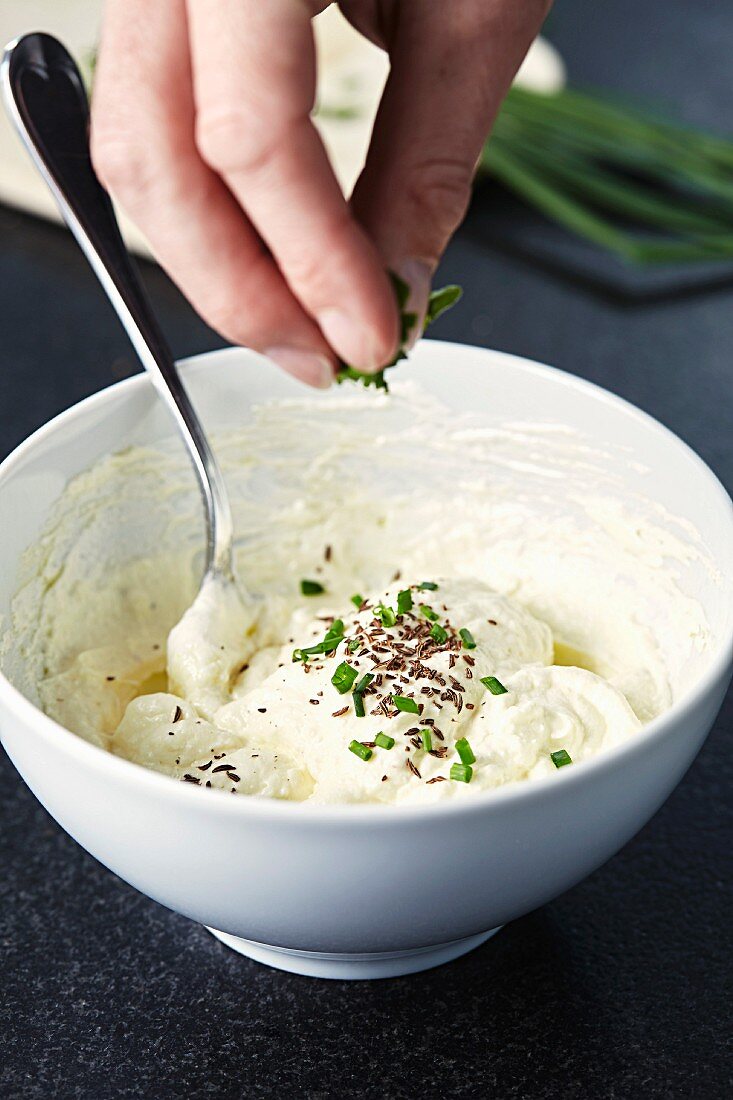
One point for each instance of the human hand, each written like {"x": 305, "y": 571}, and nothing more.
{"x": 201, "y": 129}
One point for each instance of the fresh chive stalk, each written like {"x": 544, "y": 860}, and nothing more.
{"x": 639, "y": 185}
{"x": 467, "y": 637}
{"x": 461, "y": 773}
{"x": 384, "y": 741}
{"x": 561, "y": 758}
{"x": 409, "y": 706}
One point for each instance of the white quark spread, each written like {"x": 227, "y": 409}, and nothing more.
{"x": 486, "y": 606}
{"x": 288, "y": 725}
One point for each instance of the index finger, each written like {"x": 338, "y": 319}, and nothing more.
{"x": 254, "y": 82}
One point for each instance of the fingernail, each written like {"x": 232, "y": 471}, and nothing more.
{"x": 308, "y": 366}
{"x": 351, "y": 341}
{"x": 419, "y": 276}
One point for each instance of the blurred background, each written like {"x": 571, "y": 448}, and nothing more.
{"x": 600, "y": 240}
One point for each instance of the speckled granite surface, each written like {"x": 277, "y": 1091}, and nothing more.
{"x": 619, "y": 989}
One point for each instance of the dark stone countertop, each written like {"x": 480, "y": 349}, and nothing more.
{"x": 620, "y": 988}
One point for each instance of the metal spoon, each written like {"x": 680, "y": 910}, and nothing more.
{"x": 45, "y": 97}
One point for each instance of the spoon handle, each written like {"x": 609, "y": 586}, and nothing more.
{"x": 47, "y": 102}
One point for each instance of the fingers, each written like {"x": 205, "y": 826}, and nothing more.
{"x": 144, "y": 150}
{"x": 254, "y": 79}
{"x": 451, "y": 66}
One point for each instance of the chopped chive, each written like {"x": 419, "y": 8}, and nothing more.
{"x": 465, "y": 751}
{"x": 311, "y": 588}
{"x": 332, "y": 640}
{"x": 353, "y": 644}
{"x": 561, "y": 758}
{"x": 427, "y": 740}
{"x": 409, "y": 706}
{"x": 364, "y": 683}
{"x": 404, "y": 601}
{"x": 428, "y": 612}
{"x": 495, "y": 686}
{"x": 441, "y": 300}
{"x": 387, "y": 615}
{"x": 343, "y": 678}
{"x": 461, "y": 773}
{"x": 357, "y": 600}
{"x": 384, "y": 741}
{"x": 362, "y": 751}
{"x": 359, "y": 693}
{"x": 469, "y": 641}
{"x": 334, "y": 637}
{"x": 428, "y": 586}
{"x": 438, "y": 633}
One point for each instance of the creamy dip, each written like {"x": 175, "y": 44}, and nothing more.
{"x": 459, "y": 690}
{"x": 429, "y": 607}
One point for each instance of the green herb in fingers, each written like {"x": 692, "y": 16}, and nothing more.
{"x": 438, "y": 302}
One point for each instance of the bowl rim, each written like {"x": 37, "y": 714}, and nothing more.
{"x": 376, "y": 814}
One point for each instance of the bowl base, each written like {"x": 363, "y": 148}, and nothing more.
{"x": 379, "y": 964}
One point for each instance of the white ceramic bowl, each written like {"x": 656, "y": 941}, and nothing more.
{"x": 349, "y": 891}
